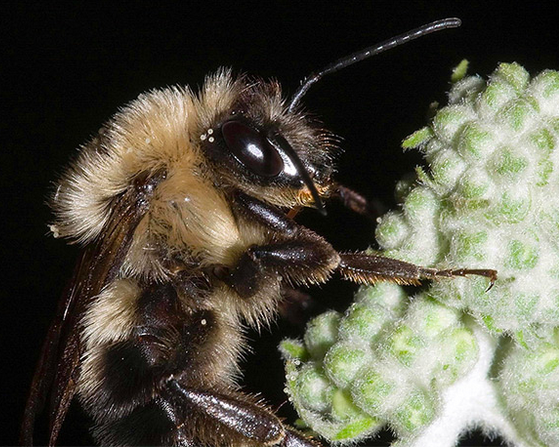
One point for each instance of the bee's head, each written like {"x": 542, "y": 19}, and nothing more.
{"x": 267, "y": 147}
{"x": 254, "y": 143}
{"x": 238, "y": 133}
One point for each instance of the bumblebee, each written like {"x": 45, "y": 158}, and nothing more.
{"x": 184, "y": 204}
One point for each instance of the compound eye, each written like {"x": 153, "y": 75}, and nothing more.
{"x": 253, "y": 150}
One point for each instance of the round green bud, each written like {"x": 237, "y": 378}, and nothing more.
{"x": 475, "y": 187}
{"x": 521, "y": 254}
{"x": 322, "y": 333}
{"x": 509, "y": 163}
{"x": 458, "y": 353}
{"x": 449, "y": 119}
{"x": 343, "y": 361}
{"x": 513, "y": 74}
{"x": 546, "y": 86}
{"x": 361, "y": 322}
{"x": 518, "y": 114}
{"x": 446, "y": 168}
{"x": 429, "y": 318}
{"x": 511, "y": 207}
{"x": 391, "y": 230}
{"x": 475, "y": 142}
{"x": 418, "y": 410}
{"x": 374, "y": 392}
{"x": 495, "y": 96}
{"x": 389, "y": 300}
{"x": 420, "y": 205}
{"x": 405, "y": 345}
{"x": 469, "y": 246}
{"x": 313, "y": 389}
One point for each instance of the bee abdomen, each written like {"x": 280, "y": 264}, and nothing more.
{"x": 123, "y": 382}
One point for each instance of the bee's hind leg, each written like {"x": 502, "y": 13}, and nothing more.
{"x": 234, "y": 415}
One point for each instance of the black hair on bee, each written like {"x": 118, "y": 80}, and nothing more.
{"x": 183, "y": 204}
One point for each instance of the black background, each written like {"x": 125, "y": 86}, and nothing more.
{"x": 65, "y": 68}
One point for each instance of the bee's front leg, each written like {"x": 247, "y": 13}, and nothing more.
{"x": 297, "y": 255}
{"x": 367, "y": 268}
{"x": 298, "y": 261}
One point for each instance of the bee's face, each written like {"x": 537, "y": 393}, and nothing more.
{"x": 255, "y": 144}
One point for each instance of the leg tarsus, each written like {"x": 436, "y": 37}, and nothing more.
{"x": 450, "y": 273}
{"x": 366, "y": 268}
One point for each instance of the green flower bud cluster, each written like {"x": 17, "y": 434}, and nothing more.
{"x": 380, "y": 363}
{"x": 490, "y": 199}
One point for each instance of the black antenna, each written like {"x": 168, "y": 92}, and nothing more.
{"x": 371, "y": 51}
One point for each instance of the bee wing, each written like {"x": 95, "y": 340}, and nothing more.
{"x": 46, "y": 367}
{"x": 58, "y": 368}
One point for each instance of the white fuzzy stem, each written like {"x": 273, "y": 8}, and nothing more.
{"x": 471, "y": 402}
